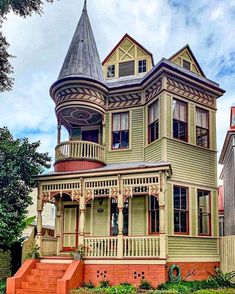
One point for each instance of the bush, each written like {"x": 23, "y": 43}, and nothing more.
{"x": 2, "y": 286}
{"x": 145, "y": 285}
{"x": 104, "y": 284}
{"x": 88, "y": 285}
{"x": 223, "y": 280}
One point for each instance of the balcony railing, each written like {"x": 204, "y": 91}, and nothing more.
{"x": 79, "y": 150}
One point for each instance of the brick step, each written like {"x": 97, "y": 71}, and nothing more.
{"x": 35, "y": 291}
{"x": 54, "y": 266}
{"x": 48, "y": 272}
{"x": 39, "y": 285}
{"x": 40, "y": 279}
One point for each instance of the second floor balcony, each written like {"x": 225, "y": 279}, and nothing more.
{"x": 78, "y": 155}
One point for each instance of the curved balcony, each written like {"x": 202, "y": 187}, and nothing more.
{"x": 78, "y": 155}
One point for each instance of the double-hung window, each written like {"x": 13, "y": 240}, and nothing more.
{"x": 180, "y": 120}
{"x": 120, "y": 130}
{"x": 153, "y": 121}
{"x": 111, "y": 71}
{"x": 153, "y": 215}
{"x": 204, "y": 213}
{"x": 202, "y": 127}
{"x": 142, "y": 66}
{"x": 180, "y": 210}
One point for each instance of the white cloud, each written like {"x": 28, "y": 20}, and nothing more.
{"x": 163, "y": 27}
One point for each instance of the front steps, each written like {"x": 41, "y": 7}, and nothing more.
{"x": 43, "y": 278}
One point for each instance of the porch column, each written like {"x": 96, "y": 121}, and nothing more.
{"x": 58, "y": 133}
{"x": 82, "y": 209}
{"x": 58, "y": 225}
{"x": 120, "y": 222}
{"x": 162, "y": 216}
{"x": 38, "y": 238}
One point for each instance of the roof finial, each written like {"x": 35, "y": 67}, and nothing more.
{"x": 85, "y": 5}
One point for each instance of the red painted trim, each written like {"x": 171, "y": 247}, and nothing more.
{"x": 14, "y": 282}
{"x": 76, "y": 165}
{"x": 134, "y": 41}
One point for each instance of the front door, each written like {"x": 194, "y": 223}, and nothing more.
{"x": 70, "y": 228}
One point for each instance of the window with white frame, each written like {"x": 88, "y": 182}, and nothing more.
{"x": 180, "y": 120}
{"x": 142, "y": 67}
{"x": 202, "y": 127}
{"x": 120, "y": 130}
{"x": 153, "y": 121}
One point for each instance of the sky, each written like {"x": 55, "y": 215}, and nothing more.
{"x": 40, "y": 44}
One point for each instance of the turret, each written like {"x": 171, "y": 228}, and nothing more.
{"x": 79, "y": 96}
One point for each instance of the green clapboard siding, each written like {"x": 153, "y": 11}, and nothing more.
{"x": 136, "y": 140}
{"x": 88, "y": 220}
{"x": 153, "y": 152}
{"x": 191, "y": 246}
{"x": 138, "y": 215}
{"x": 191, "y": 163}
{"x": 101, "y": 219}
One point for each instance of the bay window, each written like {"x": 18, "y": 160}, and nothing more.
{"x": 120, "y": 130}
{"x": 153, "y": 121}
{"x": 180, "y": 210}
{"x": 180, "y": 120}
{"x": 202, "y": 127}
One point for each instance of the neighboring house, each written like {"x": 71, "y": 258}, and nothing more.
{"x": 136, "y": 181}
{"x": 48, "y": 219}
{"x": 227, "y": 158}
{"x": 221, "y": 210}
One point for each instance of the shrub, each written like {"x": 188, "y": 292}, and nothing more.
{"x": 2, "y": 286}
{"x": 88, "y": 285}
{"x": 223, "y": 280}
{"x": 104, "y": 284}
{"x": 145, "y": 285}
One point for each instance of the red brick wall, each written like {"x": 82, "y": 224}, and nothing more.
{"x": 117, "y": 273}
{"x": 197, "y": 270}
{"x": 155, "y": 274}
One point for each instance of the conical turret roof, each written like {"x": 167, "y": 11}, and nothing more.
{"x": 83, "y": 58}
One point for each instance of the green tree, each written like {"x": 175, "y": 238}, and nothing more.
{"x": 22, "y": 8}
{"x": 19, "y": 163}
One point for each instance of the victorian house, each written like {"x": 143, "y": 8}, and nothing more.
{"x": 135, "y": 184}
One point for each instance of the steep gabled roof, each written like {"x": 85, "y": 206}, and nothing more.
{"x": 83, "y": 58}
{"x": 192, "y": 56}
{"x": 134, "y": 41}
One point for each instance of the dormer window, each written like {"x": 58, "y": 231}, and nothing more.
{"x": 186, "y": 64}
{"x": 142, "y": 66}
{"x": 111, "y": 71}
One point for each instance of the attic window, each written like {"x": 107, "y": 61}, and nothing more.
{"x": 126, "y": 68}
{"x": 186, "y": 64}
{"x": 142, "y": 66}
{"x": 111, "y": 71}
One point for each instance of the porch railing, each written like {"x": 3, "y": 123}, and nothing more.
{"x": 141, "y": 246}
{"x": 49, "y": 245}
{"x": 79, "y": 150}
{"x": 100, "y": 246}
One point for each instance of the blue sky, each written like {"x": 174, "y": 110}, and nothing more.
{"x": 163, "y": 27}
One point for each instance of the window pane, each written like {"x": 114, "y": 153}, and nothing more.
{"x": 177, "y": 197}
{"x": 116, "y": 122}
{"x": 186, "y": 64}
{"x": 153, "y": 227}
{"x": 183, "y": 198}
{"x": 202, "y": 118}
{"x": 116, "y": 140}
{"x": 183, "y": 112}
{"x": 183, "y": 221}
{"x": 111, "y": 71}
{"x": 125, "y": 139}
{"x": 126, "y": 68}
{"x": 125, "y": 218}
{"x": 114, "y": 218}
{"x": 176, "y": 110}
{"x": 203, "y": 212}
{"x": 176, "y": 222}
{"x": 124, "y": 121}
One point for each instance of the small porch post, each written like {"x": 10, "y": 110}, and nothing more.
{"x": 162, "y": 216}
{"x": 120, "y": 223}
{"x": 58, "y": 132}
{"x": 58, "y": 225}
{"x": 39, "y": 220}
{"x": 82, "y": 209}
